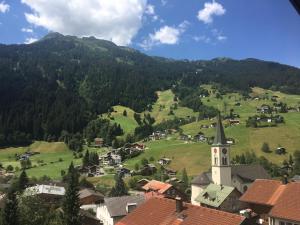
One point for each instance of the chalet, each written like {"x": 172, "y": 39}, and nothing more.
{"x": 137, "y": 146}
{"x": 98, "y": 142}
{"x": 141, "y": 183}
{"x": 89, "y": 199}
{"x": 264, "y": 109}
{"x": 124, "y": 172}
{"x": 184, "y": 137}
{"x": 115, "y": 208}
{"x": 222, "y": 172}
{"x": 156, "y": 188}
{"x": 230, "y": 141}
{"x": 164, "y": 161}
{"x": 175, "y": 212}
{"x": 91, "y": 171}
{"x": 277, "y": 203}
{"x": 233, "y": 122}
{"x": 220, "y": 197}
{"x": 200, "y": 137}
{"x": 157, "y": 135}
{"x": 148, "y": 170}
{"x": 169, "y": 172}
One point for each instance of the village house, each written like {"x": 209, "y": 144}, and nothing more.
{"x": 233, "y": 122}
{"x": 264, "y": 109}
{"x": 176, "y": 212}
{"x": 91, "y": 171}
{"x": 98, "y": 142}
{"x": 90, "y": 199}
{"x": 276, "y": 202}
{"x": 164, "y": 161}
{"x": 148, "y": 170}
{"x": 222, "y": 172}
{"x": 220, "y": 197}
{"x": 115, "y": 208}
{"x": 50, "y": 193}
{"x": 156, "y": 188}
{"x": 200, "y": 138}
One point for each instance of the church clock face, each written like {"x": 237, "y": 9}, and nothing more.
{"x": 224, "y": 151}
{"x": 215, "y": 150}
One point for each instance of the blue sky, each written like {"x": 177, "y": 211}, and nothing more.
{"x": 191, "y": 29}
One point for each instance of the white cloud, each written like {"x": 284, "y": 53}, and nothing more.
{"x": 115, "y": 20}
{"x": 202, "y": 38}
{"x": 165, "y": 35}
{"x": 221, "y": 38}
{"x": 27, "y": 30}
{"x": 150, "y": 9}
{"x": 210, "y": 9}
{"x": 164, "y": 2}
{"x": 30, "y": 40}
{"x": 4, "y": 7}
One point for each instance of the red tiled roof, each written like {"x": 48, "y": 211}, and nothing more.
{"x": 287, "y": 205}
{"x": 261, "y": 192}
{"x": 162, "y": 211}
{"x": 284, "y": 198}
{"x": 155, "y": 185}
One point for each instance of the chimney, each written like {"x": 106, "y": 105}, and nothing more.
{"x": 285, "y": 179}
{"x": 179, "y": 204}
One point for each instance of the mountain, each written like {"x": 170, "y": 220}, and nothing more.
{"x": 62, "y": 82}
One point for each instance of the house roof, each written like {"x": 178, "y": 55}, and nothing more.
{"x": 220, "y": 138}
{"x": 116, "y": 206}
{"x": 202, "y": 179}
{"x": 284, "y": 199}
{"x": 163, "y": 211}
{"x": 247, "y": 173}
{"x": 45, "y": 189}
{"x": 89, "y": 192}
{"x": 214, "y": 195}
{"x": 250, "y": 172}
{"x": 158, "y": 186}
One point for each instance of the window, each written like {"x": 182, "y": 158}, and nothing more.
{"x": 216, "y": 160}
{"x": 224, "y": 160}
{"x": 281, "y": 223}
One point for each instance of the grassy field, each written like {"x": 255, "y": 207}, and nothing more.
{"x": 195, "y": 157}
{"x": 55, "y": 155}
{"x": 166, "y": 100}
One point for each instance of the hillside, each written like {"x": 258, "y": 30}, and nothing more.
{"x": 60, "y": 83}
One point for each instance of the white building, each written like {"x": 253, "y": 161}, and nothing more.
{"x": 222, "y": 172}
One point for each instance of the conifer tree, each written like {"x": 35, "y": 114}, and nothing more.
{"x": 120, "y": 188}
{"x": 71, "y": 205}
{"x": 86, "y": 158}
{"x": 10, "y": 212}
{"x": 185, "y": 180}
{"x": 23, "y": 181}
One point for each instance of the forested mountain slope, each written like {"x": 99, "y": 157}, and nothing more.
{"x": 62, "y": 82}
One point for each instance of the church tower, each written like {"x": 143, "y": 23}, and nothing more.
{"x": 220, "y": 157}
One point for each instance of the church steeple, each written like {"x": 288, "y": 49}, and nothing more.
{"x": 220, "y": 138}
{"x": 220, "y": 156}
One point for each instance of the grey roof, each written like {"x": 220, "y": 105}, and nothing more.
{"x": 250, "y": 172}
{"x": 247, "y": 173}
{"x": 88, "y": 192}
{"x": 220, "y": 138}
{"x": 116, "y": 206}
{"x": 202, "y": 179}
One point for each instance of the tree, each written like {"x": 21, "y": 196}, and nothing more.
{"x": 265, "y": 147}
{"x": 144, "y": 161}
{"x": 120, "y": 188}
{"x": 86, "y": 158}
{"x": 10, "y": 212}
{"x": 25, "y": 164}
{"x": 185, "y": 180}
{"x": 124, "y": 112}
{"x": 71, "y": 205}
{"x": 23, "y": 181}
{"x": 136, "y": 166}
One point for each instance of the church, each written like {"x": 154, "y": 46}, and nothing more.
{"x": 221, "y": 187}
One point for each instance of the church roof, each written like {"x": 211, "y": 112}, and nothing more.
{"x": 220, "y": 138}
{"x": 214, "y": 195}
{"x": 247, "y": 173}
{"x": 202, "y": 179}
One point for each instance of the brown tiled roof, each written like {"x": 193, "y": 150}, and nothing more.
{"x": 283, "y": 198}
{"x": 158, "y": 186}
{"x": 162, "y": 211}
